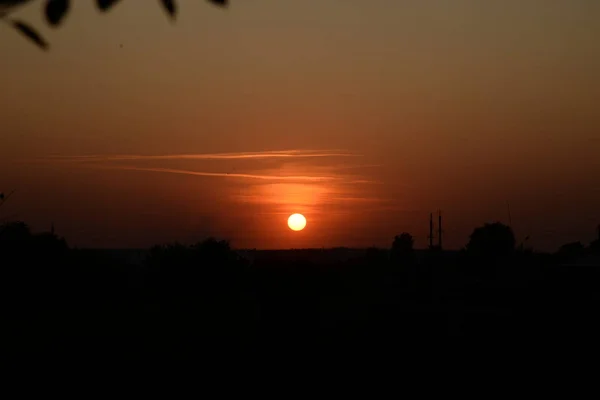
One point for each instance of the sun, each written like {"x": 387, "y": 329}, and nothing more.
{"x": 296, "y": 222}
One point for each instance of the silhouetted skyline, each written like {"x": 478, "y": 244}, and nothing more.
{"x": 379, "y": 112}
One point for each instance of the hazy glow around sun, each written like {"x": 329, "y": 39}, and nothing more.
{"x": 296, "y": 222}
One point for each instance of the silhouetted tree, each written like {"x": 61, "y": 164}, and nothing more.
{"x": 492, "y": 241}
{"x": 56, "y": 10}
{"x": 13, "y": 232}
{"x": 403, "y": 248}
{"x": 213, "y": 250}
{"x": 17, "y": 240}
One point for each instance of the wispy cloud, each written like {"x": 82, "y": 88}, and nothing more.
{"x": 228, "y": 175}
{"x": 209, "y": 156}
{"x": 363, "y": 200}
{"x": 364, "y": 181}
{"x": 292, "y": 169}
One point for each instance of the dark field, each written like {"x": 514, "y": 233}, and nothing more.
{"x": 209, "y": 302}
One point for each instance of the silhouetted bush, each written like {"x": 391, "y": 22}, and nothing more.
{"x": 403, "y": 251}
{"x": 14, "y": 233}
{"x": 491, "y": 242}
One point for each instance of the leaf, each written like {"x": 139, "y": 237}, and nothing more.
{"x": 170, "y": 7}
{"x": 220, "y": 3}
{"x": 8, "y": 6}
{"x": 11, "y": 3}
{"x": 104, "y": 5}
{"x": 56, "y": 11}
{"x": 30, "y": 33}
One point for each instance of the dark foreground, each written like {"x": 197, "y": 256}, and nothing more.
{"x": 208, "y": 304}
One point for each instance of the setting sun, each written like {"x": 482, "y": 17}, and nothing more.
{"x": 296, "y": 222}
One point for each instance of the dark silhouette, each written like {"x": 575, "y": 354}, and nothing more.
{"x": 403, "y": 249}
{"x": 57, "y": 10}
{"x": 12, "y": 232}
{"x": 492, "y": 241}
{"x": 209, "y": 302}
{"x": 570, "y": 250}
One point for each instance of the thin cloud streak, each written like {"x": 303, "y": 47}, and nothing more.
{"x": 210, "y": 156}
{"x": 365, "y": 181}
{"x": 360, "y": 200}
{"x": 227, "y": 175}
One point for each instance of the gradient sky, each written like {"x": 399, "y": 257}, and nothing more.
{"x": 365, "y": 115}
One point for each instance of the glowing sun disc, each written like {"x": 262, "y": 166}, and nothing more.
{"x": 296, "y": 222}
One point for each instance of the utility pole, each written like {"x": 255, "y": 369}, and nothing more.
{"x": 440, "y": 229}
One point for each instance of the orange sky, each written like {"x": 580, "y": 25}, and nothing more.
{"x": 378, "y": 112}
